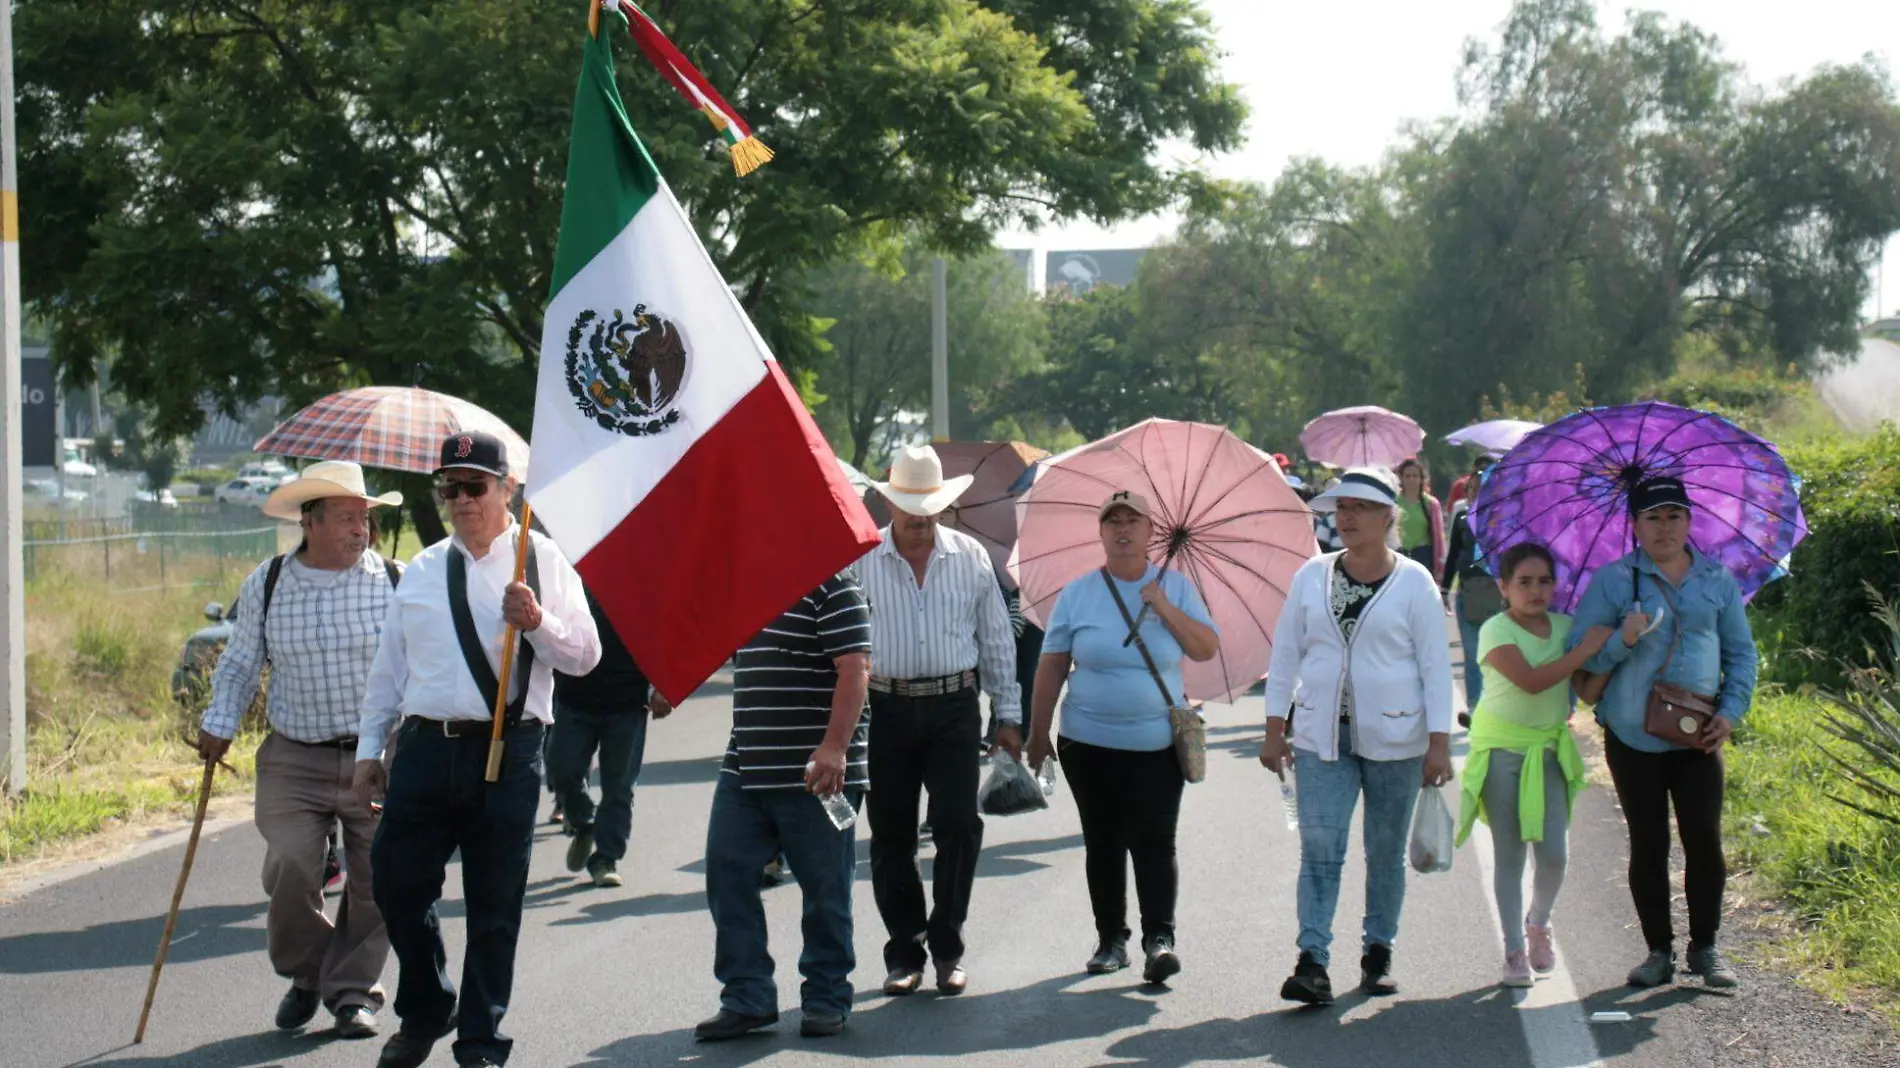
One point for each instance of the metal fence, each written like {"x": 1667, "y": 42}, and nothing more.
{"x": 139, "y": 561}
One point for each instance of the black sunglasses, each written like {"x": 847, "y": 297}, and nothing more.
{"x": 472, "y": 489}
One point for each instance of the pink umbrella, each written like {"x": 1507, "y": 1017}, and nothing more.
{"x": 398, "y": 428}
{"x": 1357, "y": 437}
{"x": 1224, "y": 517}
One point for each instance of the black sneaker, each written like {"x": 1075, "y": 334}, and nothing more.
{"x": 1657, "y": 969}
{"x": 603, "y": 871}
{"x": 1309, "y": 982}
{"x": 1111, "y": 955}
{"x": 1707, "y": 962}
{"x": 1163, "y": 964}
{"x": 1375, "y": 972}
{"x": 297, "y": 1008}
{"x": 581, "y": 848}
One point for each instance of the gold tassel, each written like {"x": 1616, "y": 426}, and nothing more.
{"x": 749, "y": 155}
{"x": 713, "y": 116}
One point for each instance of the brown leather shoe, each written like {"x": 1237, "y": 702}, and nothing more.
{"x": 952, "y": 979}
{"x": 903, "y": 981}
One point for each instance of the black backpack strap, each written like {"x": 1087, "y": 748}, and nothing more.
{"x": 472, "y": 652}
{"x": 271, "y": 576}
{"x": 392, "y": 571}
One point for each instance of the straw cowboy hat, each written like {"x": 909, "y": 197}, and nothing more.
{"x": 917, "y": 485}
{"x": 331, "y": 478}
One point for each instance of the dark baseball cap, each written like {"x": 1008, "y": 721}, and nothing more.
{"x": 1652, "y": 493}
{"x": 474, "y": 450}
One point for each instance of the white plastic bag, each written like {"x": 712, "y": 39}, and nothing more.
{"x": 1432, "y": 832}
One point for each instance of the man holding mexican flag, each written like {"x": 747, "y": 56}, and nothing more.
{"x": 676, "y": 466}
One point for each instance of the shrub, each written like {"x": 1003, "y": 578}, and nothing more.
{"x": 1823, "y": 615}
{"x": 1866, "y": 717}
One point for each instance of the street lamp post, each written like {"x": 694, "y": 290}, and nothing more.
{"x": 12, "y": 561}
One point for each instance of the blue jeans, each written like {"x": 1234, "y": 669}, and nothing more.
{"x": 621, "y": 738}
{"x": 748, "y": 828}
{"x": 1468, "y": 640}
{"x": 1328, "y": 793}
{"x": 439, "y": 802}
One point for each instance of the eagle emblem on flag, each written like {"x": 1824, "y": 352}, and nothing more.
{"x": 626, "y": 373}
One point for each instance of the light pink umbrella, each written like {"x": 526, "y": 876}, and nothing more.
{"x": 1224, "y": 517}
{"x": 1362, "y": 436}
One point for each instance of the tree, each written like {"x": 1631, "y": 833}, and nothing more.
{"x": 877, "y": 349}
{"x": 1607, "y": 195}
{"x": 260, "y": 196}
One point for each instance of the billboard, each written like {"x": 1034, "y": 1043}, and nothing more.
{"x": 36, "y": 408}
{"x": 1077, "y": 272}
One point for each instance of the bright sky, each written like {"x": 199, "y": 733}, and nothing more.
{"x": 1336, "y": 80}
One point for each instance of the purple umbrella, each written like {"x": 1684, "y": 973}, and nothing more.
{"x": 1495, "y": 435}
{"x": 1567, "y": 486}
{"x": 1356, "y": 437}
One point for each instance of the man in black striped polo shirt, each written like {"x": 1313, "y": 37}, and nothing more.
{"x": 799, "y": 726}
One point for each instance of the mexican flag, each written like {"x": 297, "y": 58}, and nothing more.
{"x": 672, "y": 460}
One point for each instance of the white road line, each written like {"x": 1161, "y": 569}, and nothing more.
{"x": 1555, "y": 1030}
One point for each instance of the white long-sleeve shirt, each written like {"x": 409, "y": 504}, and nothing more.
{"x": 954, "y": 622}
{"x": 419, "y": 670}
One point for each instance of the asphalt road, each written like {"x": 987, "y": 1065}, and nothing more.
{"x": 1865, "y": 391}
{"x": 619, "y": 977}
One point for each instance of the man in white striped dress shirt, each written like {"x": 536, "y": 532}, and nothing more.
{"x": 939, "y": 627}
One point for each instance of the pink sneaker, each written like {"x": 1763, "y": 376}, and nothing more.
{"x": 1543, "y": 955}
{"x": 1517, "y": 970}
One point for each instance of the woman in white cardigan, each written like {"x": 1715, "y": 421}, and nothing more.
{"x": 1361, "y": 657}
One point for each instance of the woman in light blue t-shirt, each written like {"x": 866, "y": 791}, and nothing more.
{"x": 1117, "y": 742}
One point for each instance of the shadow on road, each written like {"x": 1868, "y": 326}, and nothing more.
{"x": 203, "y": 933}
{"x": 1043, "y": 1014}
{"x": 694, "y": 772}
{"x": 620, "y": 908}
{"x": 245, "y": 1051}
{"x": 1478, "y": 1027}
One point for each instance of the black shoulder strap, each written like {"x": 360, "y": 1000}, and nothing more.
{"x": 1167, "y": 699}
{"x": 472, "y": 652}
{"x": 392, "y": 571}
{"x": 270, "y": 589}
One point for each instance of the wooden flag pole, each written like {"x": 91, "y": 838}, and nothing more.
{"x": 178, "y": 897}
{"x": 509, "y": 639}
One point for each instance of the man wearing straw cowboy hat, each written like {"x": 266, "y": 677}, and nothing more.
{"x": 939, "y": 627}
{"x": 440, "y": 668}
{"x": 316, "y": 616}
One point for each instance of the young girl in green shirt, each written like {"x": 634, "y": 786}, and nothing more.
{"x": 1524, "y": 770}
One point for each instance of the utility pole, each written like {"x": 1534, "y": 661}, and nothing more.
{"x": 939, "y": 351}
{"x": 12, "y": 552}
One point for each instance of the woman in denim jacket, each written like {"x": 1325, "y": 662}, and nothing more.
{"x": 1666, "y": 593}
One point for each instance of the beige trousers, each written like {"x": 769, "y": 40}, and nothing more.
{"x": 302, "y": 790}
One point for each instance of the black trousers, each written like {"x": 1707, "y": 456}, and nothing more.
{"x": 917, "y": 744}
{"x": 1646, "y": 784}
{"x": 439, "y": 802}
{"x": 1130, "y": 804}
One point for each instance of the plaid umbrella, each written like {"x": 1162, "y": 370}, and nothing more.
{"x": 397, "y": 428}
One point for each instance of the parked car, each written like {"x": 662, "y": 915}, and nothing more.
{"x": 163, "y": 498}
{"x": 246, "y": 491}
{"x": 191, "y": 679}
{"x": 49, "y": 489}
{"x": 277, "y": 473}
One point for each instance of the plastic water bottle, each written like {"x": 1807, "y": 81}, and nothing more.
{"x": 1046, "y": 777}
{"x": 840, "y": 810}
{"x": 1290, "y": 802}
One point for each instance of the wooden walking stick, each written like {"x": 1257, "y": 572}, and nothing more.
{"x": 178, "y": 897}
{"x": 509, "y": 639}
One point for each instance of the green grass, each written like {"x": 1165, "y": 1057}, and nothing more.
{"x": 106, "y": 742}
{"x": 1838, "y": 870}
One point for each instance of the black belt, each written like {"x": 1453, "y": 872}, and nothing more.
{"x": 348, "y": 741}
{"x": 937, "y": 687}
{"x": 461, "y": 728}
